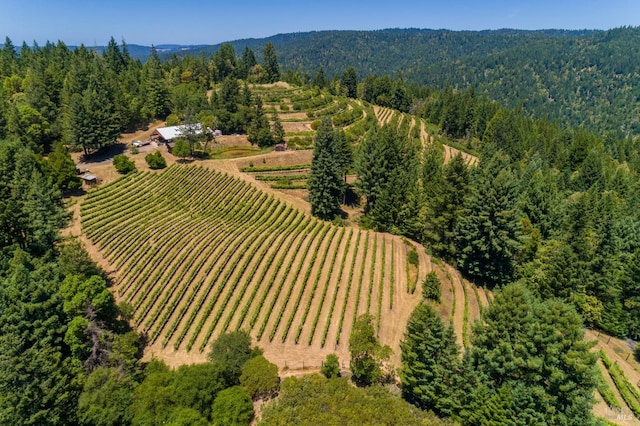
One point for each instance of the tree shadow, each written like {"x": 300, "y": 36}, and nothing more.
{"x": 351, "y": 197}
{"x": 75, "y": 192}
{"x": 104, "y": 153}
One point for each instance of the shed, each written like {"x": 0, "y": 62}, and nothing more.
{"x": 89, "y": 178}
{"x": 281, "y": 147}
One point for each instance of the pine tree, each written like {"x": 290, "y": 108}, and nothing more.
{"x": 350, "y": 82}
{"x": 270, "y": 63}
{"x": 536, "y": 353}
{"x": 63, "y": 169}
{"x": 325, "y": 181}
{"x": 276, "y": 129}
{"x": 246, "y": 63}
{"x": 430, "y": 362}
{"x": 446, "y": 191}
{"x": 319, "y": 79}
{"x": 225, "y": 62}
{"x": 154, "y": 87}
{"x": 488, "y": 235}
{"x": 388, "y": 178}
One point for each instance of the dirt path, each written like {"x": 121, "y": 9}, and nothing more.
{"x": 450, "y": 152}
{"x": 484, "y": 297}
{"x": 458, "y": 317}
{"x": 424, "y": 136}
{"x": 473, "y": 304}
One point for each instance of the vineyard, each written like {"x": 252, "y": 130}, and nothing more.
{"x": 198, "y": 252}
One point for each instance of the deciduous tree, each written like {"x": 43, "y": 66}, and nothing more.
{"x": 367, "y": 355}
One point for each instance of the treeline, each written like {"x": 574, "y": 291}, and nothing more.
{"x": 553, "y": 207}
{"x": 84, "y": 99}
{"x": 69, "y": 356}
{"x": 579, "y": 78}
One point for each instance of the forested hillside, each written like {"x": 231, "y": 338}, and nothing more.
{"x": 586, "y": 78}
{"x": 547, "y": 215}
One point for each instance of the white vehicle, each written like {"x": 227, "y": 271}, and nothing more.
{"x": 138, "y": 144}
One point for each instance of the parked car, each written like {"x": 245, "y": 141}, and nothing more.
{"x": 138, "y": 144}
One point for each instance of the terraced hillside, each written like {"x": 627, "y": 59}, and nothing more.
{"x": 198, "y": 252}
{"x": 300, "y": 110}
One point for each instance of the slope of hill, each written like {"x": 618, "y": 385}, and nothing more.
{"x": 586, "y": 78}
{"x": 198, "y": 252}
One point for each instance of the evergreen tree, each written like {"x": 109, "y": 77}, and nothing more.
{"x": 230, "y": 94}
{"x": 270, "y": 63}
{"x": 225, "y": 62}
{"x": 325, "y": 181}
{"x": 8, "y": 58}
{"x": 388, "y": 178}
{"x": 445, "y": 194}
{"x": 430, "y": 363}
{"x": 350, "y": 82}
{"x": 154, "y": 87}
{"x": 488, "y": 235}
{"x": 276, "y": 129}
{"x": 533, "y": 360}
{"x": 259, "y": 131}
{"x": 246, "y": 63}
{"x": 319, "y": 79}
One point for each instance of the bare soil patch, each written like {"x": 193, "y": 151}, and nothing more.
{"x": 296, "y": 126}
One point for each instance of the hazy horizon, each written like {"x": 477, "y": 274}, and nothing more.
{"x": 193, "y": 23}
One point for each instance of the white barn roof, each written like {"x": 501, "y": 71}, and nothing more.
{"x": 172, "y": 132}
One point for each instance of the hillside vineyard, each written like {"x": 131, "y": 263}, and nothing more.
{"x": 198, "y": 252}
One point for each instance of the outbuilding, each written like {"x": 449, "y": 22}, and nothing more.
{"x": 169, "y": 134}
{"x": 89, "y": 178}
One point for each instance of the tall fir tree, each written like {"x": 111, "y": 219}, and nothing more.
{"x": 533, "y": 362}
{"x": 270, "y": 63}
{"x": 325, "y": 180}
{"x": 350, "y": 82}
{"x": 430, "y": 362}
{"x": 154, "y": 87}
{"x": 446, "y": 190}
{"x": 489, "y": 231}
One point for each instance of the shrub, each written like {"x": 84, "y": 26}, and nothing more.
{"x": 331, "y": 367}
{"x": 155, "y": 160}
{"x": 412, "y": 257}
{"x": 123, "y": 164}
{"x": 181, "y": 148}
{"x": 431, "y": 287}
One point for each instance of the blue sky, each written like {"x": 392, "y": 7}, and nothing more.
{"x": 213, "y": 21}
